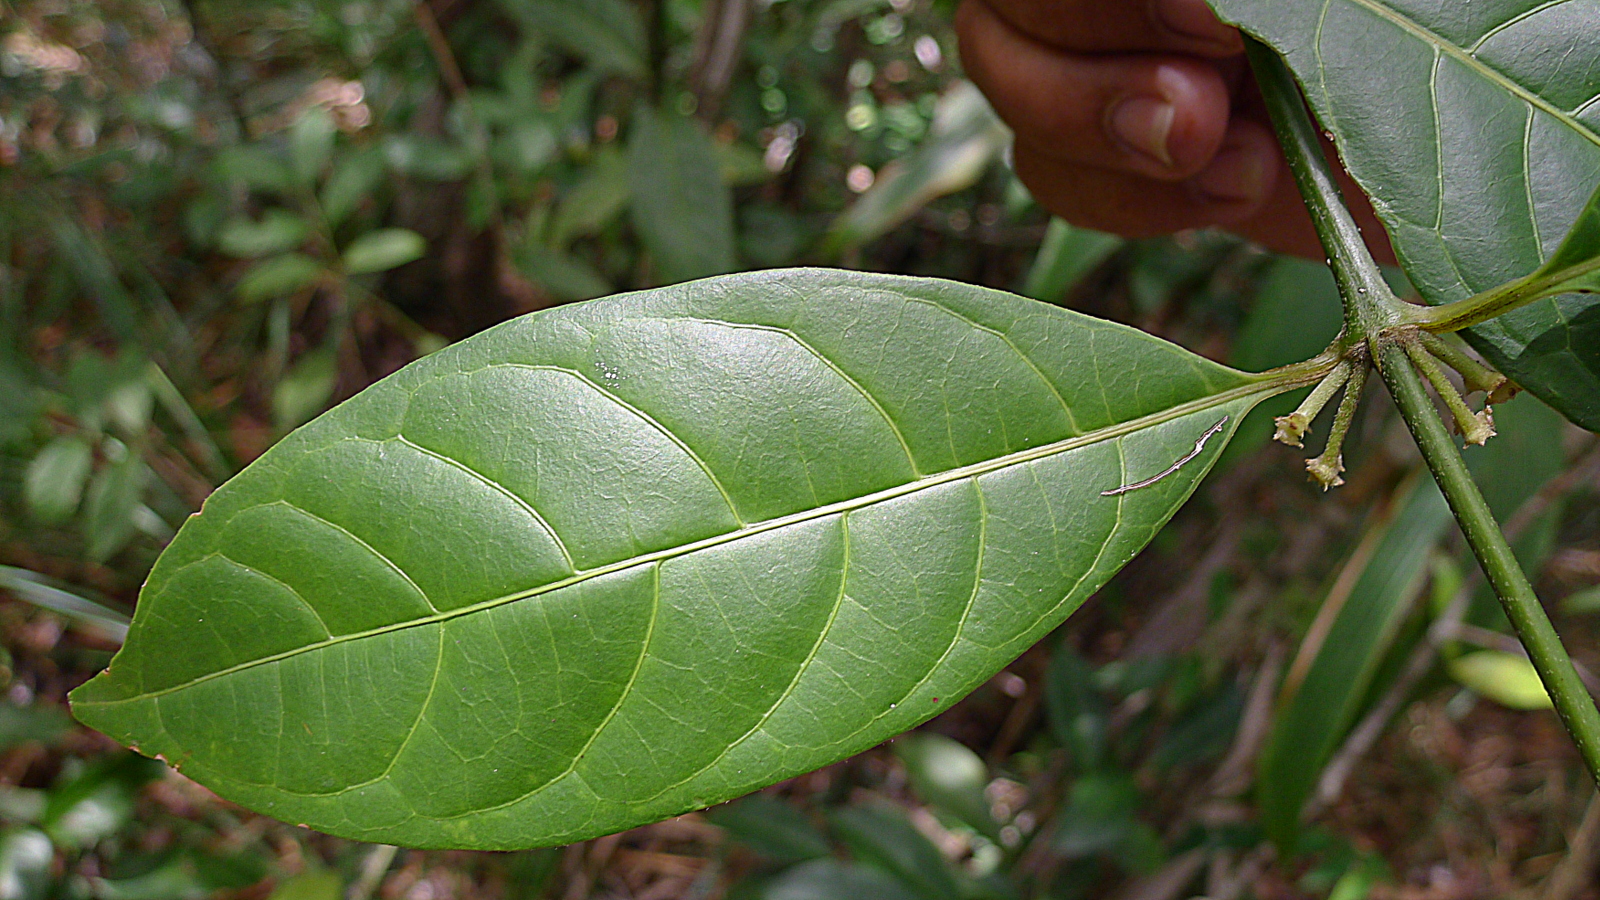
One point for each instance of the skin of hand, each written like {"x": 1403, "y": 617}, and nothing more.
{"x": 1140, "y": 117}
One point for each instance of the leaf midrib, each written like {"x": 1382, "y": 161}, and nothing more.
{"x": 949, "y": 476}
{"x": 1472, "y": 62}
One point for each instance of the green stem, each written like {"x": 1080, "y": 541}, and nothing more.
{"x": 1370, "y": 306}
{"x": 1572, "y": 701}
{"x": 1372, "y": 310}
{"x": 1480, "y": 308}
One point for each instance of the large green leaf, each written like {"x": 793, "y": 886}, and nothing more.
{"x": 609, "y": 562}
{"x": 1476, "y": 129}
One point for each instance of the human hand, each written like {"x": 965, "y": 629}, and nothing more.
{"x": 1140, "y": 117}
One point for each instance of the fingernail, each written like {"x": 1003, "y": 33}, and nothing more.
{"x": 1191, "y": 18}
{"x": 1237, "y": 174}
{"x": 1143, "y": 123}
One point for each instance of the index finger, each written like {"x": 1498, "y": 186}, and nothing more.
{"x": 1109, "y": 26}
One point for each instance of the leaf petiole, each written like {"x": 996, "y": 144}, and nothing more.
{"x": 1490, "y": 304}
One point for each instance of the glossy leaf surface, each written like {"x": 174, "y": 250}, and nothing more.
{"x": 1575, "y": 266}
{"x": 1475, "y": 127}
{"x": 614, "y": 561}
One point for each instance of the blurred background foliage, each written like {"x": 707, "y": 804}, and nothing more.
{"x": 219, "y": 217}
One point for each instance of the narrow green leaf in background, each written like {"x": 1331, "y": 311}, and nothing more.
{"x": 109, "y": 506}
{"x": 384, "y": 249}
{"x": 1067, "y": 255}
{"x": 1076, "y": 712}
{"x": 280, "y": 276}
{"x": 610, "y": 562}
{"x": 1478, "y": 137}
{"x": 594, "y": 201}
{"x": 277, "y": 231}
{"x": 828, "y": 879}
{"x": 881, "y": 836}
{"x": 1584, "y": 602}
{"x": 53, "y": 482}
{"x": 311, "y": 144}
{"x": 1508, "y": 679}
{"x": 96, "y": 274}
{"x": 1101, "y": 818}
{"x": 966, "y": 137}
{"x": 427, "y": 157}
{"x": 681, "y": 206}
{"x": 26, "y": 858}
{"x": 356, "y": 175}
{"x": 68, "y": 600}
{"x": 304, "y": 390}
{"x": 948, "y": 775}
{"x": 566, "y": 276}
{"x": 254, "y": 166}
{"x": 771, "y": 827}
{"x": 39, "y": 723}
{"x": 319, "y": 885}
{"x": 94, "y": 802}
{"x": 1348, "y": 640}
{"x": 607, "y": 34}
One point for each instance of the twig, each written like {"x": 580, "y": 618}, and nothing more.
{"x": 373, "y": 868}
{"x": 1586, "y": 469}
{"x": 1180, "y": 620}
{"x": 1371, "y": 311}
{"x": 1021, "y": 714}
{"x": 1233, "y": 775}
{"x": 717, "y": 54}
{"x": 1224, "y": 885}
{"x": 1577, "y": 867}
{"x": 439, "y": 46}
{"x": 1362, "y": 738}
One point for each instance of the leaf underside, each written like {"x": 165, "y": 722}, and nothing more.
{"x": 1475, "y": 127}
{"x": 614, "y": 561}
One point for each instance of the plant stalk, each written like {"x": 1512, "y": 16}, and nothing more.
{"x": 1369, "y": 304}
{"x": 1369, "y": 309}
{"x": 1572, "y": 701}
{"x": 1480, "y": 308}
